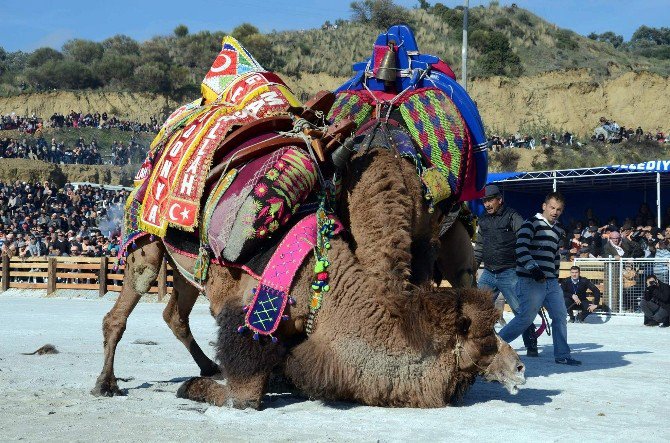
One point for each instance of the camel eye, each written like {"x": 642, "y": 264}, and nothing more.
{"x": 463, "y": 325}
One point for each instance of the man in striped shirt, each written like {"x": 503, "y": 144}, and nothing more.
{"x": 537, "y": 266}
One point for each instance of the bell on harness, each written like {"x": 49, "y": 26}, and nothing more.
{"x": 388, "y": 66}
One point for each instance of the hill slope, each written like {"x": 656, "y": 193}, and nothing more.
{"x": 561, "y": 100}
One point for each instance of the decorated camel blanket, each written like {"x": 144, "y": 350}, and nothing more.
{"x": 443, "y": 121}
{"x": 169, "y": 185}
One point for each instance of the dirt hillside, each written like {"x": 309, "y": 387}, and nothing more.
{"x": 567, "y": 100}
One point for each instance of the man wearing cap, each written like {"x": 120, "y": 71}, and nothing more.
{"x": 494, "y": 247}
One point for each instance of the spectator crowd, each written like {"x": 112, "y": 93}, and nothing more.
{"x": 635, "y": 237}
{"x": 82, "y": 153}
{"x": 32, "y": 124}
{"x": 606, "y": 131}
{"x": 42, "y": 219}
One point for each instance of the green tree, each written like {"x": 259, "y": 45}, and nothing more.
{"x": 156, "y": 50}
{"x": 43, "y": 55}
{"x": 83, "y": 51}
{"x": 113, "y": 66}
{"x": 645, "y": 34}
{"x": 181, "y": 31}
{"x": 66, "y": 74}
{"x": 381, "y": 13}
{"x": 244, "y": 31}
{"x": 607, "y": 37}
{"x": 152, "y": 77}
{"x": 122, "y": 45}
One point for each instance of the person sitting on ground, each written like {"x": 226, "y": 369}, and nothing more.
{"x": 574, "y": 293}
{"x": 656, "y": 303}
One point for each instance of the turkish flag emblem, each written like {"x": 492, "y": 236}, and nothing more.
{"x": 225, "y": 64}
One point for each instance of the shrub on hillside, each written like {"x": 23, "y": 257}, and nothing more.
{"x": 507, "y": 159}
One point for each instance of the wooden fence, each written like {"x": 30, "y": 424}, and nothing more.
{"x": 53, "y": 273}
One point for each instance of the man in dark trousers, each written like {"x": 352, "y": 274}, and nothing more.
{"x": 494, "y": 246}
{"x": 656, "y": 303}
{"x": 537, "y": 265}
{"x": 574, "y": 293}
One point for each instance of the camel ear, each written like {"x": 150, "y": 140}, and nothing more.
{"x": 463, "y": 325}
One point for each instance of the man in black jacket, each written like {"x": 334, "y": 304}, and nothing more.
{"x": 656, "y": 303}
{"x": 574, "y": 293}
{"x": 494, "y": 246}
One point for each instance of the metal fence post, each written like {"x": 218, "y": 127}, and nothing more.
{"x": 621, "y": 286}
{"x": 609, "y": 282}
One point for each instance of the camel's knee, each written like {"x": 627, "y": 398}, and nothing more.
{"x": 143, "y": 276}
{"x": 113, "y": 324}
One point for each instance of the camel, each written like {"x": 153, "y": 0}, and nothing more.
{"x": 362, "y": 292}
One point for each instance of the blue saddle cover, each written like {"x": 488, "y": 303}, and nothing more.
{"x": 416, "y": 70}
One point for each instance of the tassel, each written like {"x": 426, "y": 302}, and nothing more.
{"x": 274, "y": 339}
{"x": 241, "y": 329}
{"x": 256, "y": 336}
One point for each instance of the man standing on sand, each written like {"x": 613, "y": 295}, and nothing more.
{"x": 537, "y": 266}
{"x": 494, "y": 246}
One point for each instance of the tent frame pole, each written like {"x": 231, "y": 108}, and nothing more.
{"x": 658, "y": 200}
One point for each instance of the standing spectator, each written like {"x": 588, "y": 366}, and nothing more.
{"x": 538, "y": 263}
{"x": 496, "y": 239}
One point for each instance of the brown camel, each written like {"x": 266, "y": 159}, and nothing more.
{"x": 377, "y": 290}
{"x": 373, "y": 343}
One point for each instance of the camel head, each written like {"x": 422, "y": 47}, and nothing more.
{"x": 496, "y": 360}
{"x": 506, "y": 368}
{"x": 460, "y": 322}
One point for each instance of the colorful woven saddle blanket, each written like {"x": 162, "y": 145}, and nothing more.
{"x": 443, "y": 121}
{"x": 247, "y": 205}
{"x": 170, "y": 183}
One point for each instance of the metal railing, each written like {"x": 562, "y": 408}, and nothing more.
{"x": 621, "y": 281}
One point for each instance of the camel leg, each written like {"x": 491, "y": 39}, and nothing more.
{"x": 456, "y": 258}
{"x": 246, "y": 364}
{"x": 142, "y": 265}
{"x": 176, "y": 315}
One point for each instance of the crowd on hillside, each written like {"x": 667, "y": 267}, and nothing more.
{"x": 607, "y": 131}
{"x": 33, "y": 123}
{"x": 101, "y": 121}
{"x": 42, "y": 219}
{"x": 82, "y": 153}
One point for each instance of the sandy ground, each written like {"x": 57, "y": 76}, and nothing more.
{"x": 620, "y": 393}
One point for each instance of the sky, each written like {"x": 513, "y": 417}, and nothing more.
{"x": 30, "y": 24}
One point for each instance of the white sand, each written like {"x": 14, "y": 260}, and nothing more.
{"x": 620, "y": 393}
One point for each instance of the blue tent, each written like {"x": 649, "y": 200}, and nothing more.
{"x": 616, "y": 190}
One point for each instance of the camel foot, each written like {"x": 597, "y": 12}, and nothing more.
{"x": 105, "y": 388}
{"x": 209, "y": 391}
